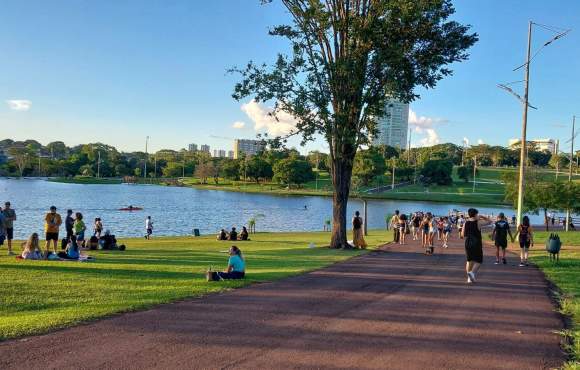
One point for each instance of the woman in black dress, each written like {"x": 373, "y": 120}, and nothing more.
{"x": 473, "y": 243}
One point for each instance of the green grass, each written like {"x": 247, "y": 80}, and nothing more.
{"x": 566, "y": 275}
{"x": 40, "y": 296}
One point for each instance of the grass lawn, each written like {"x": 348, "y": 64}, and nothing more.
{"x": 566, "y": 275}
{"x": 86, "y": 180}
{"x": 39, "y": 296}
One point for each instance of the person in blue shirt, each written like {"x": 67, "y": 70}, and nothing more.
{"x": 236, "y": 265}
{"x": 72, "y": 251}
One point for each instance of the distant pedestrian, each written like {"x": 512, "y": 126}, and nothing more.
{"x": 403, "y": 227}
{"x": 395, "y": 226}
{"x": 79, "y": 229}
{"x": 148, "y": 227}
{"x": 9, "y": 218}
{"x": 69, "y": 224}
{"x": 98, "y": 228}
{"x": 514, "y": 220}
{"x": 415, "y": 222}
{"x": 52, "y": 222}
{"x": 526, "y": 238}
{"x": 357, "y": 231}
{"x": 499, "y": 235}
{"x": 460, "y": 224}
{"x": 446, "y": 231}
{"x": 473, "y": 243}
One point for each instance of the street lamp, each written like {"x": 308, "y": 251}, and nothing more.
{"x": 524, "y": 100}
{"x": 146, "y": 156}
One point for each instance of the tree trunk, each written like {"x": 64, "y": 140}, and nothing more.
{"x": 341, "y": 172}
{"x": 546, "y": 219}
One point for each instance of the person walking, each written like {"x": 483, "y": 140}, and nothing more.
{"x": 525, "y": 235}
{"x": 69, "y": 225}
{"x": 357, "y": 231}
{"x": 415, "y": 222}
{"x": 148, "y": 227}
{"x": 473, "y": 243}
{"x": 499, "y": 236}
{"x": 395, "y": 226}
{"x": 446, "y": 231}
{"x": 52, "y": 222}
{"x": 460, "y": 224}
{"x": 9, "y": 218}
{"x": 403, "y": 227}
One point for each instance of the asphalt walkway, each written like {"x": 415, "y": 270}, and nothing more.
{"x": 392, "y": 309}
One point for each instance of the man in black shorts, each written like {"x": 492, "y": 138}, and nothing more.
{"x": 52, "y": 222}
{"x": 9, "y": 218}
{"x": 500, "y": 232}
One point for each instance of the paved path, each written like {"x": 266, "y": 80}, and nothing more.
{"x": 395, "y": 309}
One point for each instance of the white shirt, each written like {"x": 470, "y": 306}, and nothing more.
{"x": 148, "y": 224}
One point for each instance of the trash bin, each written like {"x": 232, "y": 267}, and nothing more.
{"x": 196, "y": 232}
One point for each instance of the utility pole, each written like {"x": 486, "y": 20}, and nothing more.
{"x": 146, "y": 156}
{"x": 571, "y": 161}
{"x": 409, "y": 149}
{"x": 39, "y": 153}
{"x": 393, "y": 179}
{"x": 365, "y": 213}
{"x": 524, "y": 129}
{"x": 155, "y": 161}
{"x": 99, "y": 165}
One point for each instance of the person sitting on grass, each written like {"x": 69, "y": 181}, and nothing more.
{"x": 233, "y": 235}
{"x": 72, "y": 251}
{"x": 244, "y": 234}
{"x": 236, "y": 265}
{"x": 222, "y": 235}
{"x": 32, "y": 248}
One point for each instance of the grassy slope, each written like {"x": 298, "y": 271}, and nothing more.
{"x": 566, "y": 275}
{"x": 38, "y": 296}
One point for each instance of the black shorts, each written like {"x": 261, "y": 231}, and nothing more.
{"x": 149, "y": 231}
{"x": 52, "y": 236}
{"x": 474, "y": 254}
{"x": 9, "y": 233}
{"x": 524, "y": 244}
{"x": 501, "y": 244}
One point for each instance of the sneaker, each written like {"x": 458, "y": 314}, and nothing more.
{"x": 469, "y": 280}
{"x": 496, "y": 263}
{"x": 522, "y": 264}
{"x": 472, "y": 276}
{"x": 504, "y": 261}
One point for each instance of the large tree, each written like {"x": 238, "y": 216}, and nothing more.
{"x": 347, "y": 57}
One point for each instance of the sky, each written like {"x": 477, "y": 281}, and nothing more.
{"x": 117, "y": 71}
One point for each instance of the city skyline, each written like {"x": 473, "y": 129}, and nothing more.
{"x": 160, "y": 71}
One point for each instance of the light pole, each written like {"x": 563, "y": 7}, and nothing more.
{"x": 146, "y": 156}
{"x": 474, "y": 171}
{"x": 99, "y": 165}
{"x": 571, "y": 161}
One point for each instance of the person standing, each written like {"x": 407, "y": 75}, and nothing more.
{"x": 9, "y": 218}
{"x": 473, "y": 243}
{"x": 526, "y": 237}
{"x": 148, "y": 227}
{"x": 499, "y": 235}
{"x": 357, "y": 231}
{"x": 3, "y": 230}
{"x": 79, "y": 229}
{"x": 395, "y": 226}
{"x": 52, "y": 222}
{"x": 460, "y": 224}
{"x": 402, "y": 228}
{"x": 69, "y": 225}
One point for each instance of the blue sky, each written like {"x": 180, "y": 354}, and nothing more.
{"x": 116, "y": 71}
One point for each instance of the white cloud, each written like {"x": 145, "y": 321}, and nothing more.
{"x": 282, "y": 124}
{"x": 239, "y": 124}
{"x": 480, "y": 142}
{"x": 19, "y": 104}
{"x": 425, "y": 126}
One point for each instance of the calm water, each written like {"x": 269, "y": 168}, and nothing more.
{"x": 176, "y": 211}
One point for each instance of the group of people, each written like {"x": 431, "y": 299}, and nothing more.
{"x": 424, "y": 226}
{"x": 233, "y": 234}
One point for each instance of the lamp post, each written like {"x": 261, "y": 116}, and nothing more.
{"x": 146, "y": 156}
{"x": 570, "y": 172}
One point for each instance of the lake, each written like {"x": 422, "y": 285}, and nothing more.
{"x": 176, "y": 211}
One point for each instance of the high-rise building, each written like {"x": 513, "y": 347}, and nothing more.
{"x": 541, "y": 145}
{"x": 192, "y": 147}
{"x": 393, "y": 126}
{"x": 205, "y": 148}
{"x": 219, "y": 153}
{"x": 231, "y": 154}
{"x": 248, "y": 147}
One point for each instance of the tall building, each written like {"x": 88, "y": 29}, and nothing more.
{"x": 248, "y": 147}
{"x": 541, "y": 145}
{"x": 192, "y": 147}
{"x": 205, "y": 148}
{"x": 219, "y": 153}
{"x": 393, "y": 126}
{"x": 231, "y": 154}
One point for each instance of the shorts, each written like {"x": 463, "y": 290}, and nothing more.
{"x": 524, "y": 244}
{"x": 149, "y": 231}
{"x": 474, "y": 254}
{"x": 51, "y": 236}
{"x": 501, "y": 244}
{"x": 9, "y": 233}
{"x": 80, "y": 236}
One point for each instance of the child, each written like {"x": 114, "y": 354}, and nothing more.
{"x": 32, "y": 248}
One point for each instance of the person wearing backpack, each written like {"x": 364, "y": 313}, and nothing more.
{"x": 499, "y": 236}
{"x": 357, "y": 231}
{"x": 525, "y": 235}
